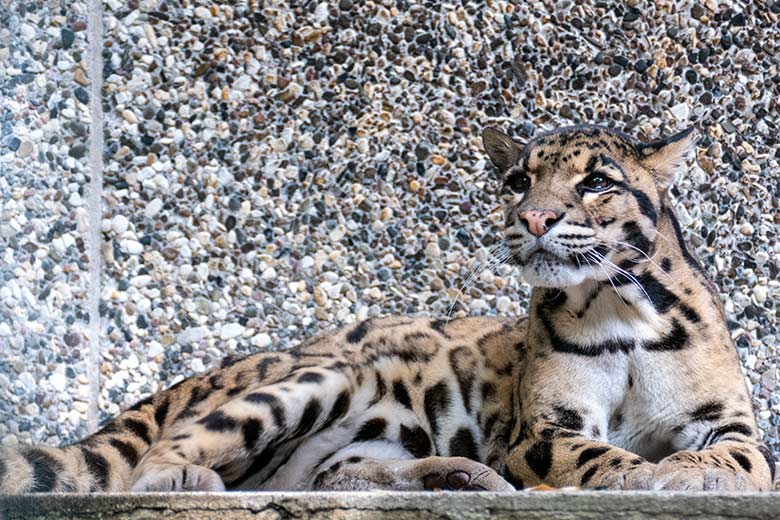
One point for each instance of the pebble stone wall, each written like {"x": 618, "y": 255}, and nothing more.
{"x": 269, "y": 169}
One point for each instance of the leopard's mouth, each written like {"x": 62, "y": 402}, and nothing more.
{"x": 544, "y": 268}
{"x": 539, "y": 256}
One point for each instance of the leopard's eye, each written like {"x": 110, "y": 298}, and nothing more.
{"x": 518, "y": 182}
{"x": 596, "y": 182}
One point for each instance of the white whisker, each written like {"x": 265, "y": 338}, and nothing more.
{"x": 497, "y": 256}
{"x": 648, "y": 258}
{"x": 609, "y": 279}
{"x": 658, "y": 233}
{"x": 631, "y": 277}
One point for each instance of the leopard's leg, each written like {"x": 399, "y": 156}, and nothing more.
{"x": 247, "y": 433}
{"x": 182, "y": 477}
{"x": 721, "y": 451}
{"x": 386, "y": 465}
{"x": 724, "y": 466}
{"x": 562, "y": 457}
{"x": 560, "y": 436}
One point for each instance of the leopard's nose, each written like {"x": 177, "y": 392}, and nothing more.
{"x": 539, "y": 222}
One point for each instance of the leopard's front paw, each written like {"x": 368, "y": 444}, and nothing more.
{"x": 637, "y": 477}
{"x": 459, "y": 474}
{"x": 686, "y": 471}
{"x": 184, "y": 477}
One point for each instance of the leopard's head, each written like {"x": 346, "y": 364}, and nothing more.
{"x": 581, "y": 201}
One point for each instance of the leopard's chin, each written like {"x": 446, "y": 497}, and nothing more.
{"x": 544, "y": 269}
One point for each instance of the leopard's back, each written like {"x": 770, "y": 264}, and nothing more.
{"x": 426, "y": 386}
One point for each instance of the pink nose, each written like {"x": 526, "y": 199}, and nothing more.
{"x": 539, "y": 221}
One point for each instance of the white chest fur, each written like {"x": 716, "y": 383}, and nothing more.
{"x": 597, "y": 314}
{"x": 638, "y": 391}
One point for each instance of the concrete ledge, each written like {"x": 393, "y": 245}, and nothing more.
{"x": 393, "y": 506}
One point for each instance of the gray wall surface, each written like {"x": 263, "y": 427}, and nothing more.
{"x": 532, "y": 505}
{"x": 181, "y": 180}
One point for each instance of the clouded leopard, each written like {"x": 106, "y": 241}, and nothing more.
{"x": 623, "y": 376}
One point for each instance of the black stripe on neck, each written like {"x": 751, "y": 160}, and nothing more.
{"x": 689, "y": 259}
{"x": 553, "y": 300}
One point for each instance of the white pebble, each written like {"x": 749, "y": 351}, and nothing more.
{"x": 28, "y": 381}
{"x": 58, "y": 381}
{"x": 337, "y": 234}
{"x": 132, "y": 247}
{"x": 479, "y": 304}
{"x": 261, "y": 340}
{"x": 132, "y": 362}
{"x": 231, "y": 330}
{"x": 503, "y": 303}
{"x": 153, "y": 208}
{"x": 203, "y": 13}
{"x": 432, "y": 250}
{"x": 155, "y": 349}
{"x": 10, "y": 440}
{"x": 191, "y": 335}
{"x": 140, "y": 280}
{"x": 243, "y": 82}
{"x": 119, "y": 224}
{"x": 759, "y": 294}
{"x": 129, "y": 116}
{"x": 75, "y": 199}
{"x": 681, "y": 111}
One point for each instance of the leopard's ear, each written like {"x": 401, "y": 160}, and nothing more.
{"x": 502, "y": 149}
{"x": 666, "y": 157}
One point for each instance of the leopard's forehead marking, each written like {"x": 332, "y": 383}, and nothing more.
{"x": 572, "y": 149}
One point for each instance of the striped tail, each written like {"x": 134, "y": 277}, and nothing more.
{"x": 102, "y": 462}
